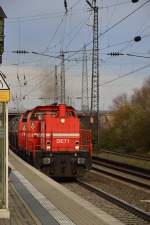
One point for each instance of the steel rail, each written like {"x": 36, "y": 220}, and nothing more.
{"x": 122, "y": 167}
{"x": 134, "y": 156}
{"x": 123, "y": 178}
{"x": 119, "y": 202}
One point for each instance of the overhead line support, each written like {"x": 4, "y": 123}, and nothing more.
{"x": 95, "y": 70}
{"x": 56, "y": 85}
{"x": 62, "y": 77}
{"x": 84, "y": 99}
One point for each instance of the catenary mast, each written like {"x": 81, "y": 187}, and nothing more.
{"x": 95, "y": 69}
{"x": 62, "y": 77}
{"x": 84, "y": 99}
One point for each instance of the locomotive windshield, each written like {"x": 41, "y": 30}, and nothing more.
{"x": 25, "y": 117}
{"x": 38, "y": 115}
{"x": 70, "y": 114}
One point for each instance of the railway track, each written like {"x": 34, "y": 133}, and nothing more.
{"x": 122, "y": 172}
{"x": 134, "y": 156}
{"x": 119, "y": 202}
{"x": 139, "y": 213}
{"x": 130, "y": 169}
{"x": 123, "y": 177}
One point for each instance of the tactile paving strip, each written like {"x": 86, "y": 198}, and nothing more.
{"x": 45, "y": 211}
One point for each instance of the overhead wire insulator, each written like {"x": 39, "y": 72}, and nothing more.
{"x": 134, "y": 1}
{"x": 137, "y": 38}
{"x": 20, "y": 51}
{"x": 66, "y": 6}
{"x": 115, "y": 53}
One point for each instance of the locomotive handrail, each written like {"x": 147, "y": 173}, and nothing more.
{"x": 86, "y": 140}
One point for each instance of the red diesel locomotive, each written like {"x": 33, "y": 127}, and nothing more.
{"x": 50, "y": 138}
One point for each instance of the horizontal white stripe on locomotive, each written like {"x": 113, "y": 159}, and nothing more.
{"x": 36, "y": 134}
{"x": 40, "y": 135}
{"x": 66, "y": 134}
{"x": 53, "y": 134}
{"x": 47, "y": 135}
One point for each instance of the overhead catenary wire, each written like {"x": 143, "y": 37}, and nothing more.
{"x": 109, "y": 46}
{"x": 48, "y": 14}
{"x": 65, "y": 16}
{"x": 71, "y": 32}
{"x": 74, "y": 35}
{"x": 57, "y": 28}
{"x": 56, "y": 14}
{"x": 114, "y": 5}
{"x": 45, "y": 80}
{"x": 119, "y": 22}
{"x": 138, "y": 56}
{"x": 124, "y": 18}
{"x": 89, "y": 43}
{"x": 126, "y": 74}
{"x": 39, "y": 84}
{"x": 75, "y": 4}
{"x": 62, "y": 20}
{"x": 80, "y": 50}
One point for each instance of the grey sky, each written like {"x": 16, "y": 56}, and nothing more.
{"x": 31, "y": 25}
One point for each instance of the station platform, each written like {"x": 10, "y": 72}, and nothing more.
{"x": 35, "y": 198}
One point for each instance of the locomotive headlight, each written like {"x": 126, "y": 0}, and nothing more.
{"x": 48, "y": 147}
{"x": 77, "y": 147}
{"x": 62, "y": 120}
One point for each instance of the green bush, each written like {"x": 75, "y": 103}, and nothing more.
{"x": 129, "y": 148}
{"x": 108, "y": 146}
{"x": 131, "y": 122}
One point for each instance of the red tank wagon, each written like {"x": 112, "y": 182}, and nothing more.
{"x": 50, "y": 137}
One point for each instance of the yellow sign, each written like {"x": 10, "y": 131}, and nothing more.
{"x": 4, "y": 95}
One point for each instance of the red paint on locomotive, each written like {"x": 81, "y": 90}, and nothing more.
{"x": 51, "y": 136}
{"x": 61, "y": 132}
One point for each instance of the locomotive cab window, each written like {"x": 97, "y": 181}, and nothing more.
{"x": 71, "y": 114}
{"x": 24, "y": 119}
{"x": 37, "y": 116}
{"x": 54, "y": 113}
{"x": 40, "y": 115}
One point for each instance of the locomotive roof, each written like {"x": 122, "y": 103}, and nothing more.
{"x": 48, "y": 107}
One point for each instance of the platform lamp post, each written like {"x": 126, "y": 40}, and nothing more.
{"x": 4, "y": 99}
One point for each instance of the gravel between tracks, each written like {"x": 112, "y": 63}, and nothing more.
{"x": 124, "y": 216}
{"x": 118, "y": 189}
{"x": 125, "y": 191}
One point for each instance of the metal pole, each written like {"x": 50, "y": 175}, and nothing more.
{"x": 62, "y": 77}
{"x": 84, "y": 99}
{"x": 95, "y": 70}
{"x": 56, "y": 85}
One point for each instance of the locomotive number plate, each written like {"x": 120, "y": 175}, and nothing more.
{"x": 62, "y": 141}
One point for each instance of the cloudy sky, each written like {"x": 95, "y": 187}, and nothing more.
{"x": 43, "y": 27}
